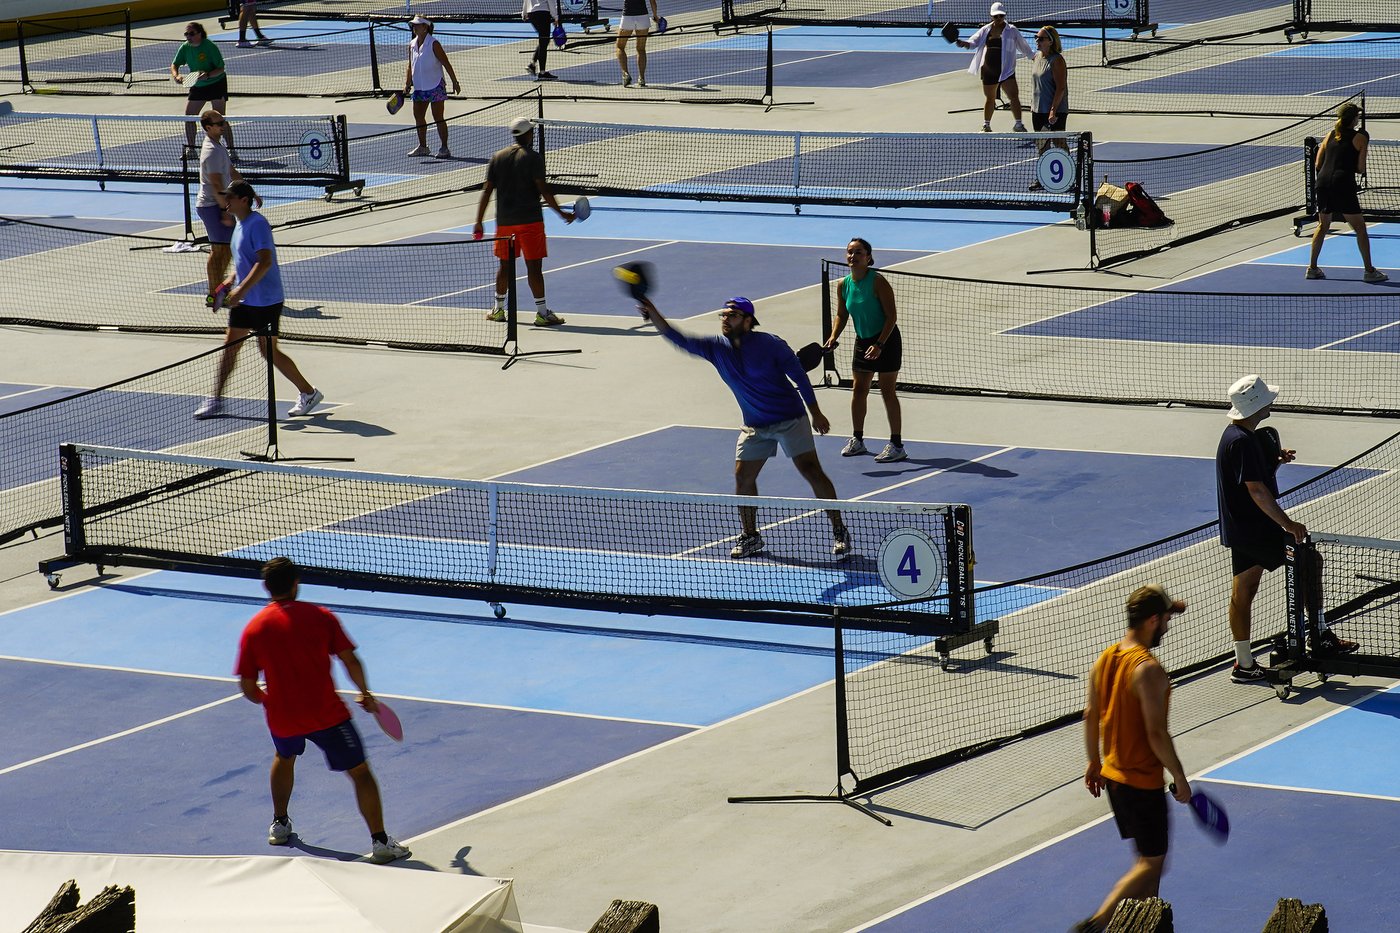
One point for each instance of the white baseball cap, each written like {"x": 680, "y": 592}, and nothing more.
{"x": 420, "y": 20}
{"x": 520, "y": 126}
{"x": 998, "y": 9}
{"x": 1249, "y": 396}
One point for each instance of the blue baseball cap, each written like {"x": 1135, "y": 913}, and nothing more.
{"x": 742, "y": 305}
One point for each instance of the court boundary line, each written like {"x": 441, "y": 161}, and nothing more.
{"x": 119, "y": 735}
{"x": 1304, "y": 790}
{"x": 538, "y": 792}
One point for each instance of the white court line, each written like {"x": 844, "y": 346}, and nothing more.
{"x": 30, "y": 391}
{"x": 120, "y": 735}
{"x": 614, "y": 763}
{"x": 587, "y": 262}
{"x": 1304, "y": 790}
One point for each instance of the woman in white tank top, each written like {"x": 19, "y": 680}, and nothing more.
{"x": 426, "y": 62}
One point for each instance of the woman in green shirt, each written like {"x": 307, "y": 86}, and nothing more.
{"x": 201, "y": 56}
{"x": 865, "y": 298}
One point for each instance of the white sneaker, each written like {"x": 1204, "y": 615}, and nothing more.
{"x": 892, "y": 453}
{"x": 841, "y": 542}
{"x": 1019, "y": 127}
{"x": 279, "y": 833}
{"x": 417, "y": 151}
{"x": 212, "y": 408}
{"x": 444, "y": 153}
{"x": 986, "y": 127}
{"x": 626, "y": 79}
{"x": 244, "y": 44}
{"x": 749, "y": 544}
{"x": 264, "y": 41}
{"x": 854, "y": 448}
{"x": 384, "y": 852}
{"x": 1375, "y": 275}
{"x": 306, "y": 402}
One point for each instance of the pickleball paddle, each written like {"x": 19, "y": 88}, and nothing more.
{"x": 661, "y": 25}
{"x": 582, "y": 209}
{"x": 636, "y": 278}
{"x": 1210, "y": 816}
{"x": 560, "y": 37}
{"x": 811, "y": 355}
{"x": 949, "y": 32}
{"x": 388, "y": 720}
{"x": 220, "y": 296}
{"x": 1272, "y": 446}
{"x": 395, "y": 103}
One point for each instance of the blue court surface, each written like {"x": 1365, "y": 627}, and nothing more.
{"x": 1309, "y": 812}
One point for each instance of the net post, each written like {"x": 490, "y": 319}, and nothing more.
{"x": 126, "y": 23}
{"x": 1309, "y": 176}
{"x": 843, "y": 738}
{"x": 71, "y": 477}
{"x": 512, "y": 299}
{"x": 373, "y": 60}
{"x": 828, "y": 358}
{"x": 958, "y": 532}
{"x": 1086, "y": 195}
{"x": 271, "y": 399}
{"x": 342, "y": 147}
{"x": 768, "y": 71}
{"x": 25, "y": 84}
{"x": 1296, "y": 559}
{"x": 797, "y": 171}
{"x": 185, "y": 183}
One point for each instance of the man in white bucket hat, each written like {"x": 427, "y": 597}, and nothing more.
{"x": 1252, "y": 523}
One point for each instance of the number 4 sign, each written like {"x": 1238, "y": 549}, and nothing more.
{"x": 911, "y": 564}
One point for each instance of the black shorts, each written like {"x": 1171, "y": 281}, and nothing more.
{"x": 261, "y": 318}
{"x": 1042, "y": 122}
{"x": 1337, "y": 196}
{"x": 1141, "y": 816}
{"x": 1266, "y": 554}
{"x": 216, "y": 91}
{"x": 888, "y": 361}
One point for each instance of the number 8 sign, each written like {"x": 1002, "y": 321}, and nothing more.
{"x": 315, "y": 150}
{"x": 911, "y": 564}
{"x": 1055, "y": 170}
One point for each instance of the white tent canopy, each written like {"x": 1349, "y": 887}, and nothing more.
{"x": 224, "y": 894}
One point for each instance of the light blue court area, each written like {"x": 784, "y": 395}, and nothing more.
{"x": 1352, "y": 751}
{"x": 1339, "y": 250}
{"x": 59, "y": 200}
{"x": 694, "y": 672}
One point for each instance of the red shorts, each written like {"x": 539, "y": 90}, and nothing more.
{"x": 529, "y": 240}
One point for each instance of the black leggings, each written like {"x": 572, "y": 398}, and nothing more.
{"x": 541, "y": 20}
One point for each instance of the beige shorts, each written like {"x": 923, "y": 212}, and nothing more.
{"x": 795, "y": 435}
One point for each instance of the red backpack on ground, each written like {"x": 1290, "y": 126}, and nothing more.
{"x": 1145, "y": 210}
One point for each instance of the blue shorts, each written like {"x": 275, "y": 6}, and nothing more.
{"x": 436, "y": 94}
{"x": 341, "y": 745}
{"x": 214, "y": 228}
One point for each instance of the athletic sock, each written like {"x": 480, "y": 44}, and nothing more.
{"x": 1243, "y": 655}
{"x": 858, "y": 435}
{"x": 380, "y": 837}
{"x": 284, "y": 819}
{"x": 896, "y": 441}
{"x": 500, "y": 303}
{"x": 541, "y": 306}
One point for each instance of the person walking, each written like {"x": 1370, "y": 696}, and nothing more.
{"x": 248, "y": 18}
{"x": 865, "y": 298}
{"x": 634, "y": 22}
{"x": 771, "y": 388}
{"x": 995, "y": 47}
{"x": 1340, "y": 158}
{"x": 516, "y": 173}
{"x": 543, "y": 16}
{"x": 254, "y": 298}
{"x": 216, "y": 173}
{"x": 1128, "y": 746}
{"x": 1252, "y": 523}
{"x": 427, "y": 60}
{"x": 290, "y": 643}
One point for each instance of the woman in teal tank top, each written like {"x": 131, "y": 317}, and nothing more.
{"x": 865, "y": 299}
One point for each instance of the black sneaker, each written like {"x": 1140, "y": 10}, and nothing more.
{"x": 1254, "y": 674}
{"x": 1327, "y": 643}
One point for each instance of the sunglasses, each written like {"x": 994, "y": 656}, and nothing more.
{"x": 216, "y": 123}
{"x": 1042, "y": 38}
{"x": 729, "y": 314}
{"x": 192, "y": 32}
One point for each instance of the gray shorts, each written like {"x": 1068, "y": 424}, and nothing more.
{"x": 795, "y": 435}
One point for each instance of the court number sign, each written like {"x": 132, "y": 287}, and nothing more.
{"x": 1055, "y": 170}
{"x": 911, "y": 564}
{"x": 1120, "y": 7}
{"x": 578, "y": 6}
{"x": 316, "y": 150}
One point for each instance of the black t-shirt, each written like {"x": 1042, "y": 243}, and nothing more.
{"x": 635, "y": 8}
{"x": 1339, "y": 158}
{"x": 1238, "y": 460}
{"x": 513, "y": 172}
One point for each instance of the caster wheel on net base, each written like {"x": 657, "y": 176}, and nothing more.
{"x": 54, "y": 579}
{"x": 498, "y": 610}
{"x": 987, "y": 643}
{"x": 1281, "y": 691}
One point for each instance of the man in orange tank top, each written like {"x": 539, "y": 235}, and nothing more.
{"x": 1126, "y": 716}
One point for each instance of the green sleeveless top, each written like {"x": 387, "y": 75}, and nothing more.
{"x": 864, "y": 305}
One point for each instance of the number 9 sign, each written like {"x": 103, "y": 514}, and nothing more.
{"x": 911, "y": 564}
{"x": 1055, "y": 170}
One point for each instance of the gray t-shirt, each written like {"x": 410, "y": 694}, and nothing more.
{"x": 213, "y": 159}
{"x": 1043, "y": 86}
{"x": 513, "y": 172}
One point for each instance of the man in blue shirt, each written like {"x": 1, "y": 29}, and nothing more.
{"x": 771, "y": 388}
{"x": 254, "y": 299}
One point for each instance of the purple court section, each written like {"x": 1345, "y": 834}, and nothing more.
{"x": 1300, "y": 74}
{"x": 1022, "y": 500}
{"x": 1318, "y": 848}
{"x": 198, "y": 785}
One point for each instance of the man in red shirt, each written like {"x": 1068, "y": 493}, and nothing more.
{"x": 291, "y": 643}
